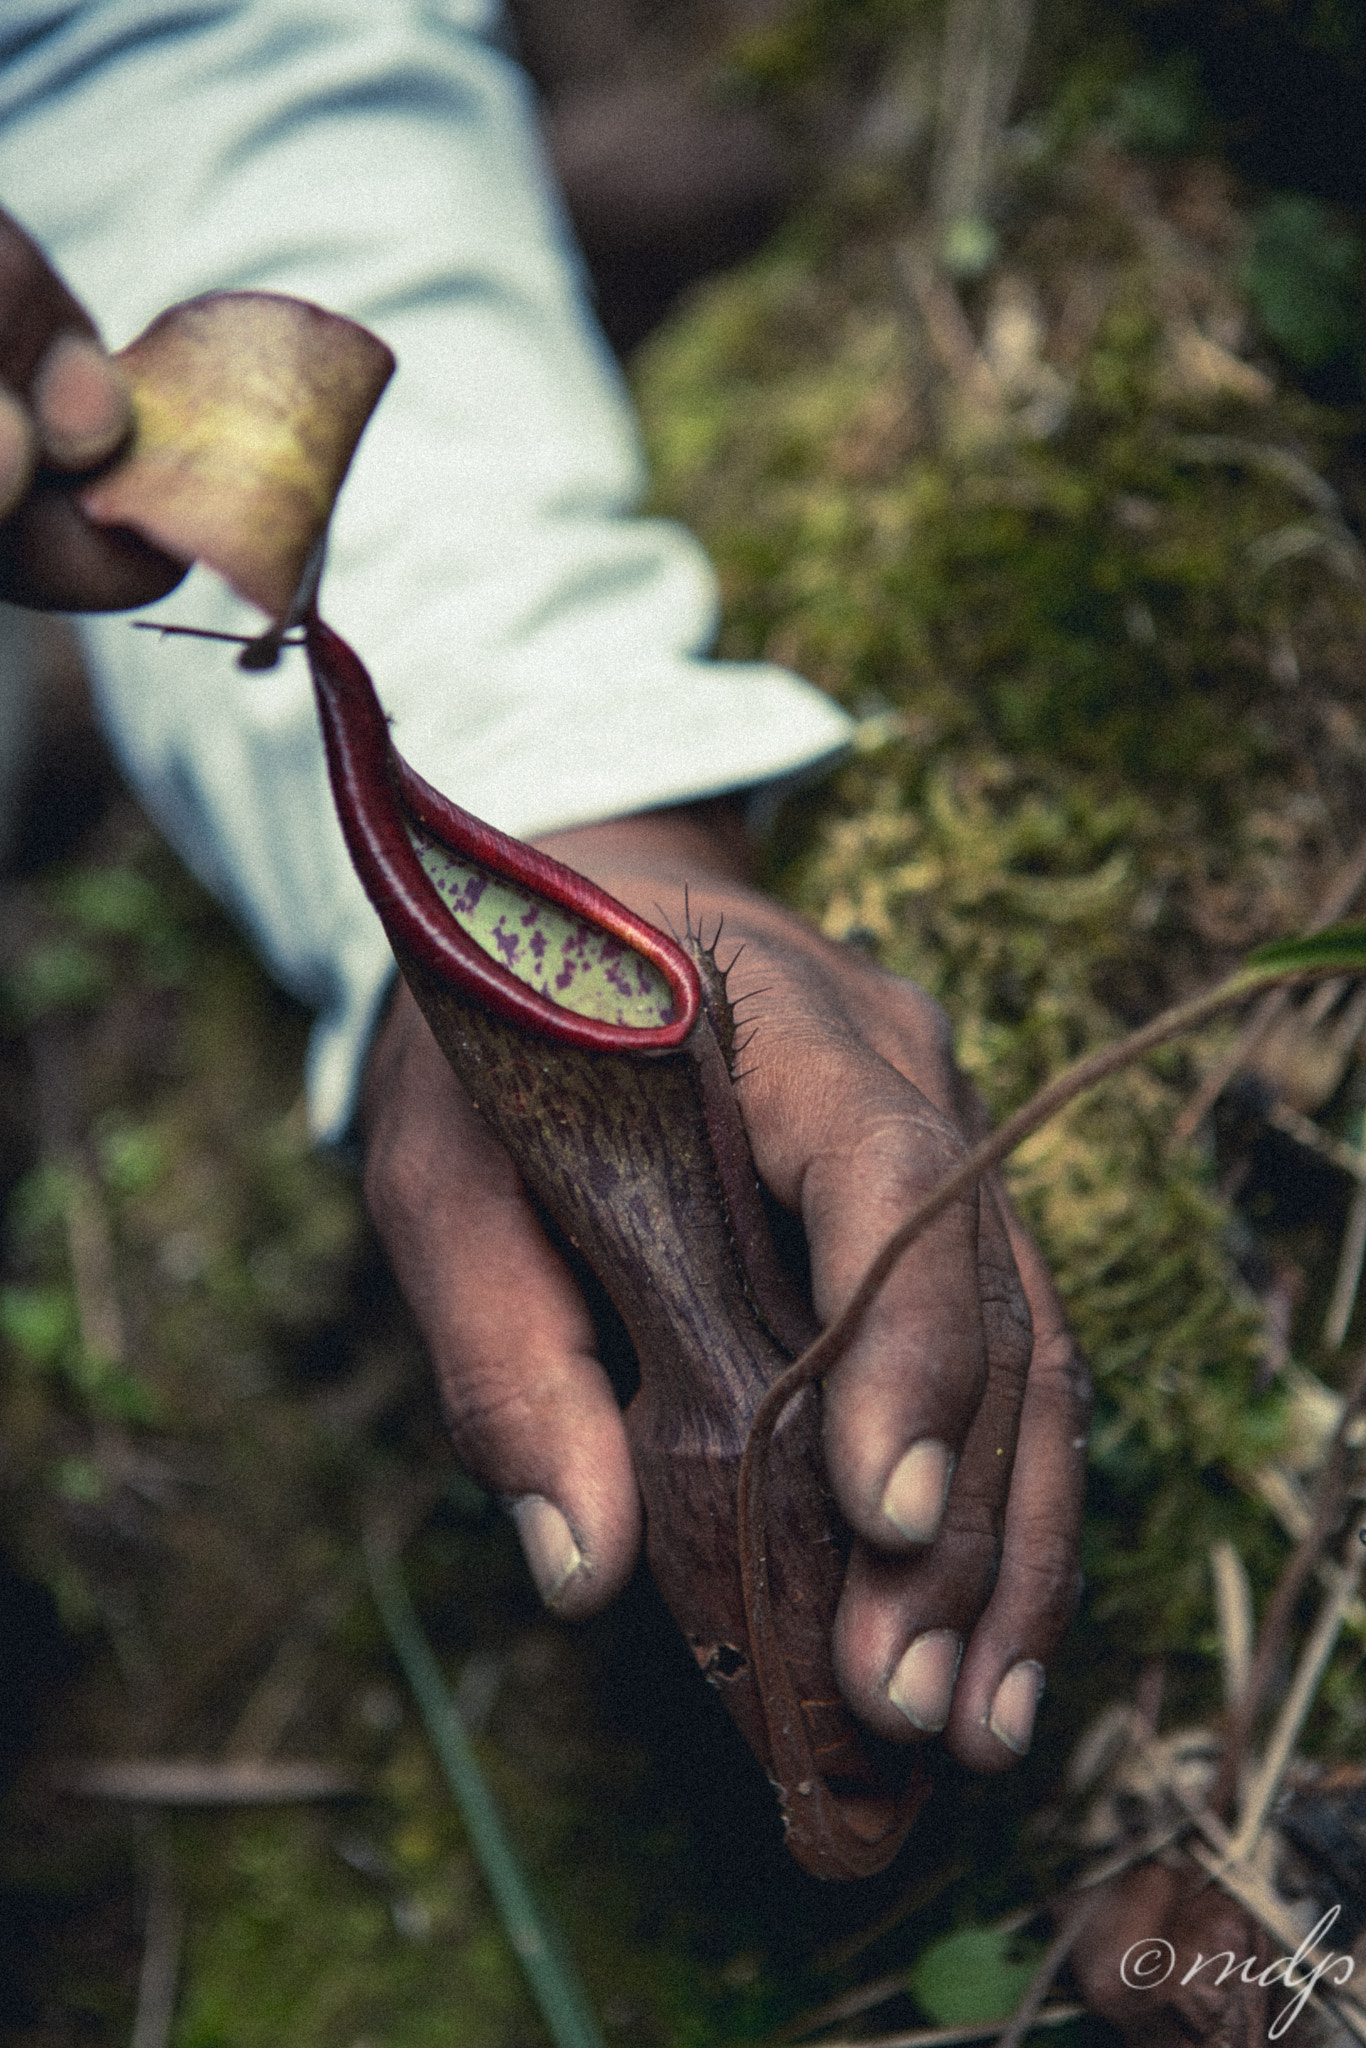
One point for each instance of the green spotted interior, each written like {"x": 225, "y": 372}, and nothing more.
{"x": 576, "y": 965}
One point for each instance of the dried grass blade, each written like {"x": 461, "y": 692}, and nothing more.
{"x": 1233, "y": 1605}
{"x": 1348, "y": 1281}
{"x": 951, "y": 2037}
{"x": 1313, "y": 1662}
{"x": 192, "y": 1781}
{"x": 1055, "y": 1955}
{"x": 1328, "y": 1506}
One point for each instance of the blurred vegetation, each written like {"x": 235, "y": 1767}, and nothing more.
{"x": 1062, "y": 500}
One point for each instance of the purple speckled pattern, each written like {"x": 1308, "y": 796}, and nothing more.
{"x": 574, "y": 964}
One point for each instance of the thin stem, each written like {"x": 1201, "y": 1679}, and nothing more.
{"x": 1056, "y": 1095}
{"x": 923, "y": 1892}
{"x": 818, "y": 1358}
{"x": 162, "y": 1943}
{"x": 1233, "y": 1605}
{"x": 848, "y": 2007}
{"x": 259, "y": 650}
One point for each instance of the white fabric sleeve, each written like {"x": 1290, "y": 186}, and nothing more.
{"x": 540, "y": 650}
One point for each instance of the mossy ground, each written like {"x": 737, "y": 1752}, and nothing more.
{"x": 1065, "y": 541}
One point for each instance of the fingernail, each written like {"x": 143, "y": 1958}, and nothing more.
{"x": 548, "y": 1544}
{"x": 1016, "y": 1703}
{"x": 917, "y": 1490}
{"x": 81, "y": 402}
{"x": 922, "y": 1684}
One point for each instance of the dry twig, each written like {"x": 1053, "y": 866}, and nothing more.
{"x": 159, "y": 1976}
{"x": 194, "y": 1781}
{"x": 951, "y": 2037}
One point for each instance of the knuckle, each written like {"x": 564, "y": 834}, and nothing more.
{"x": 1010, "y": 1326}
{"x": 920, "y": 1014}
{"x": 972, "y": 1561}
{"x": 1044, "y": 1586}
{"x": 932, "y": 1026}
{"x": 924, "y": 1026}
{"x": 480, "y": 1402}
{"x": 972, "y": 1530}
{"x": 909, "y": 1150}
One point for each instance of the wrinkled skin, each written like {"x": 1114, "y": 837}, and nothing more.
{"x": 854, "y": 1109}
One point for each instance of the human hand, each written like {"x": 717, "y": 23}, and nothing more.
{"x": 64, "y": 410}
{"x": 955, "y": 1422}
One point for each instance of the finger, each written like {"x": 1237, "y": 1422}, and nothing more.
{"x": 52, "y": 557}
{"x": 1001, "y": 1679}
{"x": 35, "y": 307}
{"x": 63, "y": 402}
{"x": 530, "y": 1409}
{"x": 80, "y": 401}
{"x": 50, "y": 357}
{"x": 18, "y": 452}
{"x": 903, "y": 1622}
{"x": 846, "y": 1139}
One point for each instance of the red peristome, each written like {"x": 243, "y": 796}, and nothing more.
{"x": 373, "y": 787}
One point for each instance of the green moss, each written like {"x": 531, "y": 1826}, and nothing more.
{"x": 292, "y": 1942}
{"x": 1080, "y": 788}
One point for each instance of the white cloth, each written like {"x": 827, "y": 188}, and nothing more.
{"x": 539, "y": 650}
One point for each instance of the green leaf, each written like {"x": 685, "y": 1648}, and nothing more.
{"x": 80, "y": 1480}
{"x": 1340, "y": 946}
{"x": 1303, "y": 278}
{"x": 39, "y": 1321}
{"x": 974, "y": 1975}
{"x": 1161, "y": 112}
{"x": 111, "y": 901}
{"x": 132, "y": 1157}
{"x": 59, "y": 974}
